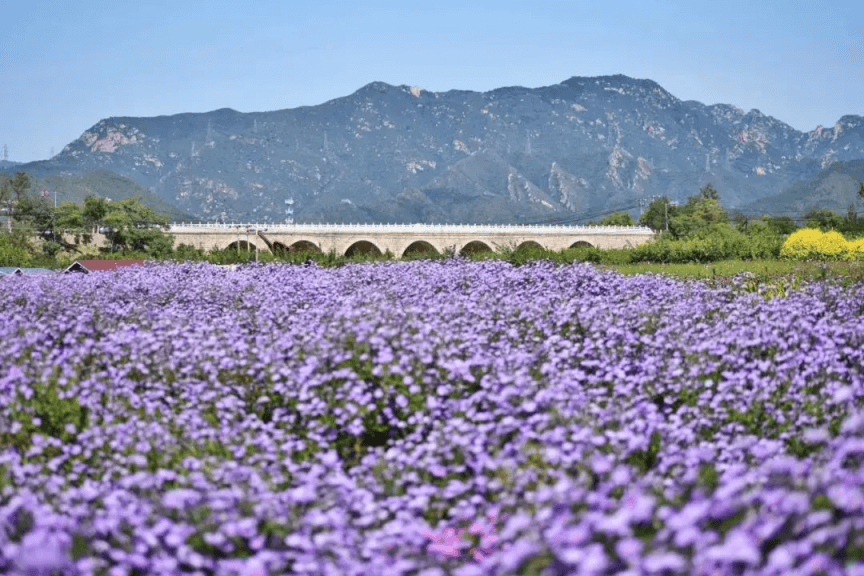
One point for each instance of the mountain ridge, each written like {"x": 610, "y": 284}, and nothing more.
{"x": 513, "y": 154}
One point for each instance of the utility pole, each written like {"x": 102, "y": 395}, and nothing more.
{"x": 5, "y": 152}
{"x": 666, "y": 210}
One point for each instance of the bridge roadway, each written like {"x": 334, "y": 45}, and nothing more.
{"x": 400, "y": 239}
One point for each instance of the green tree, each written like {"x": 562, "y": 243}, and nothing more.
{"x": 12, "y": 252}
{"x": 617, "y": 219}
{"x": 37, "y": 212}
{"x": 823, "y": 219}
{"x": 852, "y": 223}
{"x": 69, "y": 219}
{"x": 657, "y": 215}
{"x": 12, "y": 190}
{"x": 702, "y": 211}
{"x": 32, "y": 214}
{"x": 5, "y": 192}
{"x": 741, "y": 221}
{"x": 94, "y": 211}
{"x": 782, "y": 225}
{"x": 129, "y": 225}
{"x": 708, "y": 193}
{"x": 20, "y": 185}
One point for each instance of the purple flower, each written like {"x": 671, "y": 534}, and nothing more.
{"x": 736, "y": 547}
{"x": 43, "y": 552}
{"x": 662, "y": 562}
{"x": 180, "y": 498}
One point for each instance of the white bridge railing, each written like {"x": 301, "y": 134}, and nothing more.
{"x": 409, "y": 228}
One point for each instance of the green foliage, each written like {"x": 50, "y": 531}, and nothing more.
{"x": 701, "y": 211}
{"x": 14, "y": 250}
{"x": 19, "y": 186}
{"x": 36, "y": 211}
{"x": 67, "y": 230}
{"x": 741, "y": 221}
{"x": 700, "y": 231}
{"x": 69, "y": 218}
{"x": 657, "y": 215}
{"x": 617, "y": 219}
{"x": 230, "y": 256}
{"x": 708, "y": 193}
{"x": 781, "y": 225}
{"x": 644, "y": 460}
{"x": 186, "y": 252}
{"x": 131, "y": 225}
{"x": 5, "y": 192}
{"x": 763, "y": 241}
{"x": 45, "y": 410}
{"x": 524, "y": 254}
{"x": 824, "y": 220}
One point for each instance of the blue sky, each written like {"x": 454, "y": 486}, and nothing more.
{"x": 66, "y": 64}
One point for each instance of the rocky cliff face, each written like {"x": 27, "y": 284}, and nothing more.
{"x": 562, "y": 153}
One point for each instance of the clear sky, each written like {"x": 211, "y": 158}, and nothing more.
{"x": 66, "y": 64}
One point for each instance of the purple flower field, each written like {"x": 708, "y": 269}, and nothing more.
{"x": 427, "y": 418}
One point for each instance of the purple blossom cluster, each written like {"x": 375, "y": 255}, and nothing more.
{"x": 427, "y": 418}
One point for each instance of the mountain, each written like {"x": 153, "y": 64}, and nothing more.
{"x": 106, "y": 184}
{"x": 834, "y": 188}
{"x": 562, "y": 153}
{"x": 6, "y": 164}
{"x": 64, "y": 187}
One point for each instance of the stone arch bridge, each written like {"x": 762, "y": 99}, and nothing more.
{"x": 402, "y": 239}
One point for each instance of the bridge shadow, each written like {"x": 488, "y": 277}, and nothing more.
{"x": 419, "y": 249}
{"x": 475, "y": 247}
{"x": 299, "y": 247}
{"x": 362, "y": 248}
{"x": 242, "y": 246}
{"x": 529, "y": 246}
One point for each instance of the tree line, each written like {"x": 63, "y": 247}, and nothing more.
{"x": 36, "y": 232}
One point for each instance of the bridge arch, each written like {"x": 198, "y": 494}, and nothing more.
{"x": 242, "y": 246}
{"x": 475, "y": 247}
{"x": 419, "y": 247}
{"x": 529, "y": 245}
{"x": 305, "y": 246}
{"x": 581, "y": 244}
{"x": 363, "y": 248}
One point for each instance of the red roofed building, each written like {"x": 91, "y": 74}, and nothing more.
{"x": 87, "y": 266}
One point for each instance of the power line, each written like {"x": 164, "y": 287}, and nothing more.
{"x": 574, "y": 217}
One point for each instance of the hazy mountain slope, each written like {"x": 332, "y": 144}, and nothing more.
{"x": 104, "y": 184}
{"x": 834, "y": 188}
